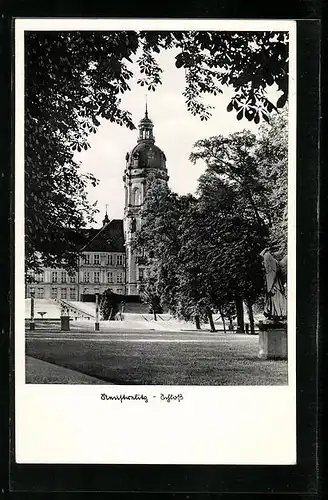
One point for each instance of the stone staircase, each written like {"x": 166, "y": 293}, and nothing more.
{"x": 79, "y": 310}
{"x": 49, "y": 308}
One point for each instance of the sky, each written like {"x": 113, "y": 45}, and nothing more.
{"x": 175, "y": 131}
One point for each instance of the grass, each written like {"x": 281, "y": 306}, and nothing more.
{"x": 41, "y": 372}
{"x": 218, "y": 361}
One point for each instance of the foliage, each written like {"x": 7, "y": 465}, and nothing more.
{"x": 248, "y": 62}
{"x": 158, "y": 243}
{"x": 257, "y": 166}
{"x": 233, "y": 160}
{"x": 73, "y": 79}
{"x": 203, "y": 253}
{"x": 232, "y": 240}
{"x": 272, "y": 155}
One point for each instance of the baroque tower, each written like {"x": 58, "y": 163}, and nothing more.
{"x": 145, "y": 159}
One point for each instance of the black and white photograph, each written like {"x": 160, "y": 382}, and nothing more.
{"x": 155, "y": 208}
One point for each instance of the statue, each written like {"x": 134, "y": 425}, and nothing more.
{"x": 276, "y": 280}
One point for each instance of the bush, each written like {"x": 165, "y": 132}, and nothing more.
{"x": 109, "y": 305}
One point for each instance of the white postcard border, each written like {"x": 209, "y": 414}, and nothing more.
{"x": 212, "y": 425}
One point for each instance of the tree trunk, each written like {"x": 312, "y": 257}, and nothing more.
{"x": 210, "y": 318}
{"x": 154, "y": 313}
{"x": 197, "y": 321}
{"x": 223, "y": 320}
{"x": 251, "y": 316}
{"x": 240, "y": 316}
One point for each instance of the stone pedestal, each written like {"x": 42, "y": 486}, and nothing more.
{"x": 64, "y": 323}
{"x": 273, "y": 344}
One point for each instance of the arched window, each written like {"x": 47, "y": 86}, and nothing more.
{"x": 136, "y": 196}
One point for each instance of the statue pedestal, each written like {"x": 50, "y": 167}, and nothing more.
{"x": 64, "y": 323}
{"x": 273, "y": 344}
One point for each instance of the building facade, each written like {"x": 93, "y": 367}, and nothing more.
{"x": 107, "y": 258}
{"x": 101, "y": 266}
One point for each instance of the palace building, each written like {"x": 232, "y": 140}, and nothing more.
{"x": 107, "y": 258}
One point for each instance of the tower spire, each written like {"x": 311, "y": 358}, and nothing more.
{"x": 146, "y": 112}
{"x": 106, "y": 218}
{"x": 146, "y": 126}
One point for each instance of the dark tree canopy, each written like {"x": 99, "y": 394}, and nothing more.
{"x": 201, "y": 254}
{"x": 257, "y": 168}
{"x": 72, "y": 79}
{"x": 272, "y": 155}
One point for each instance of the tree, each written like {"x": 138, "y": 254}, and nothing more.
{"x": 169, "y": 277}
{"x": 158, "y": 244}
{"x": 201, "y": 254}
{"x": 255, "y": 168}
{"x": 231, "y": 241}
{"x": 71, "y": 79}
{"x": 75, "y": 78}
{"x": 234, "y": 161}
{"x": 272, "y": 156}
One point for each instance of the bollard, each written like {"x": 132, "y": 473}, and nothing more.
{"x": 32, "y": 323}
{"x": 97, "y": 312}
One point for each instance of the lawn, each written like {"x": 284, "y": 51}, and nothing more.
{"x": 221, "y": 361}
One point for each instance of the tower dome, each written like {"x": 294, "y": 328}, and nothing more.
{"x": 146, "y": 155}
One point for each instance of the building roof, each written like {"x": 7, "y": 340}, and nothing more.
{"x": 109, "y": 238}
{"x": 147, "y": 154}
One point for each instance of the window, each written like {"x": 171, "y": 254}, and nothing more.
{"x": 119, "y": 260}
{"x": 63, "y": 293}
{"x": 72, "y": 293}
{"x": 141, "y": 273}
{"x": 86, "y": 277}
{"x": 86, "y": 258}
{"x": 136, "y": 196}
{"x": 72, "y": 278}
{"x": 96, "y": 260}
{"x": 110, "y": 277}
{"x": 109, "y": 260}
{"x": 54, "y": 293}
{"x": 63, "y": 277}
{"x": 96, "y": 276}
{"x": 119, "y": 278}
{"x": 54, "y": 277}
{"x": 39, "y": 293}
{"x": 39, "y": 277}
